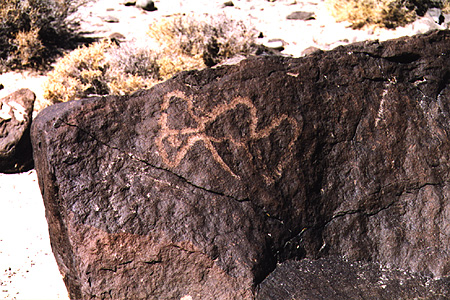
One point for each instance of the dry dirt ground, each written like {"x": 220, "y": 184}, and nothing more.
{"x": 27, "y": 266}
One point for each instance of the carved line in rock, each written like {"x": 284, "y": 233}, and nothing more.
{"x": 198, "y": 133}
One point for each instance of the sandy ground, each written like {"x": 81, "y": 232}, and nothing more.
{"x": 27, "y": 266}
{"x": 28, "y": 269}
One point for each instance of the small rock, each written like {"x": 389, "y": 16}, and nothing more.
{"x": 301, "y": 15}
{"x": 2, "y": 86}
{"x": 436, "y": 15}
{"x": 110, "y": 19}
{"x": 129, "y": 3}
{"x": 228, "y": 4}
{"x": 147, "y": 5}
{"x": 117, "y": 37}
{"x": 15, "y": 121}
{"x": 310, "y": 50}
{"x": 232, "y": 61}
{"x": 276, "y": 44}
{"x": 424, "y": 25}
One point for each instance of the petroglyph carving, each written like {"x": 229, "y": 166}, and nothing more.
{"x": 182, "y": 140}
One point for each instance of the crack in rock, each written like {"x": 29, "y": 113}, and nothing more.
{"x": 138, "y": 159}
{"x": 264, "y": 212}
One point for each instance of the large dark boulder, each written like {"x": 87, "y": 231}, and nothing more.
{"x": 15, "y": 121}
{"x": 199, "y": 186}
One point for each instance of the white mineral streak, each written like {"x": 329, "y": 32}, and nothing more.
{"x": 4, "y": 111}
{"x": 18, "y": 110}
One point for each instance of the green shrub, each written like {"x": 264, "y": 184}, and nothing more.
{"x": 32, "y": 30}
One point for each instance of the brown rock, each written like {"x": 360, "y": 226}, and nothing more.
{"x": 310, "y": 50}
{"x": 301, "y": 15}
{"x": 334, "y": 278}
{"x": 147, "y": 5}
{"x": 224, "y": 172}
{"x": 110, "y": 19}
{"x": 228, "y": 4}
{"x": 15, "y": 121}
{"x": 129, "y": 3}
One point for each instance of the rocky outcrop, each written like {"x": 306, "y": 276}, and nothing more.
{"x": 15, "y": 122}
{"x": 199, "y": 186}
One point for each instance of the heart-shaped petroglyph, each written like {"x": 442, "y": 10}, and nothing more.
{"x": 174, "y": 143}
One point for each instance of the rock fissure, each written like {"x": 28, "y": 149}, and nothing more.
{"x": 263, "y": 211}
{"x": 136, "y": 158}
{"x": 153, "y": 262}
{"x": 423, "y": 185}
{"x": 358, "y": 211}
{"x": 377, "y": 211}
{"x": 401, "y": 58}
{"x": 111, "y": 269}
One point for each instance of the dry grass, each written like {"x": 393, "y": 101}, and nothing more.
{"x": 98, "y": 69}
{"x": 193, "y": 42}
{"x": 384, "y": 13}
{"x": 105, "y": 68}
{"x": 446, "y": 6}
{"x": 31, "y": 30}
{"x": 28, "y": 48}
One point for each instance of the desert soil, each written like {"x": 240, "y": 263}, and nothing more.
{"x": 27, "y": 266}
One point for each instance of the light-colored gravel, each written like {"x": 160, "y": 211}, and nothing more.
{"x": 27, "y": 266}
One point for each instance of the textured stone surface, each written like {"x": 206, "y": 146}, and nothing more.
{"x": 148, "y": 5}
{"x": 202, "y": 184}
{"x": 301, "y": 15}
{"x": 15, "y": 121}
{"x": 334, "y": 278}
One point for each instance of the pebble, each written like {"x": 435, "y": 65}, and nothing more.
{"x": 110, "y": 19}
{"x": 147, "y": 5}
{"x": 310, "y": 50}
{"x": 301, "y": 15}
{"x": 129, "y": 3}
{"x": 276, "y": 44}
{"x": 116, "y": 36}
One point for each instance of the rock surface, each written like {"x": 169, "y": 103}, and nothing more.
{"x": 301, "y": 15}
{"x": 147, "y": 5}
{"x": 199, "y": 186}
{"x": 334, "y": 278}
{"x": 15, "y": 122}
